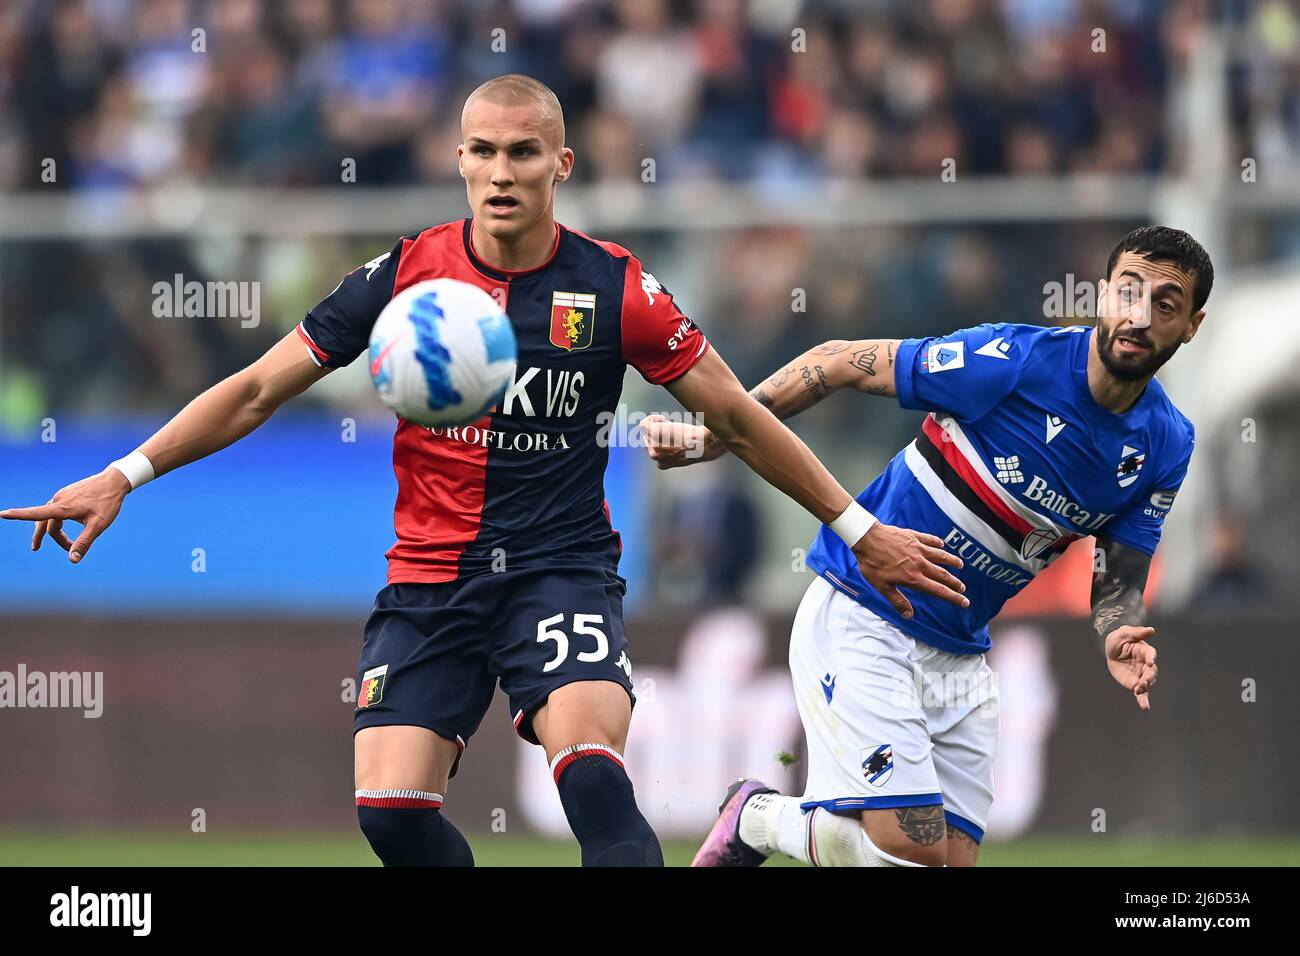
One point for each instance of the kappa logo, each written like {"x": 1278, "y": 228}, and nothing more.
{"x": 945, "y": 356}
{"x": 650, "y": 286}
{"x": 1130, "y": 464}
{"x": 624, "y": 662}
{"x": 1055, "y": 425}
{"x": 374, "y": 264}
{"x": 995, "y": 348}
{"x": 828, "y": 687}
{"x": 878, "y": 764}
{"x": 372, "y": 687}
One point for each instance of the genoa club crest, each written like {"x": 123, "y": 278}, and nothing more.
{"x": 372, "y": 687}
{"x": 573, "y": 319}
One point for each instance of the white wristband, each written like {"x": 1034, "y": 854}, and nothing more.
{"x": 136, "y": 467}
{"x": 853, "y": 522}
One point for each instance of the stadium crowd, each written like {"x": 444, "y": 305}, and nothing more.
{"x": 127, "y": 93}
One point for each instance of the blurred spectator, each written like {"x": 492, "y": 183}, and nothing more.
{"x": 649, "y": 73}
{"x": 69, "y": 68}
{"x": 709, "y": 546}
{"x": 386, "y": 74}
{"x": 1235, "y": 582}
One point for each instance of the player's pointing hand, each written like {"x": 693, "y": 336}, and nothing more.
{"x": 1132, "y": 661}
{"x": 891, "y": 558}
{"x": 92, "y": 502}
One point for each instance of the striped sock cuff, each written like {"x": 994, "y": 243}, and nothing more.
{"x": 399, "y": 799}
{"x": 810, "y": 842}
{"x": 569, "y": 754}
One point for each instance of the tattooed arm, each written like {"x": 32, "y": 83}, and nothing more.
{"x": 865, "y": 364}
{"x": 1117, "y": 615}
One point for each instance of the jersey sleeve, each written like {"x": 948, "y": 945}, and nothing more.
{"x": 659, "y": 341}
{"x": 966, "y": 373}
{"x": 338, "y": 329}
{"x": 1140, "y": 527}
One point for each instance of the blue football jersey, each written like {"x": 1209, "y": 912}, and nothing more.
{"x": 1013, "y": 462}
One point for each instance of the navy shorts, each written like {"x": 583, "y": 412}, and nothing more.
{"x": 433, "y": 653}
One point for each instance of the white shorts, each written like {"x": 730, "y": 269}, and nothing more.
{"x": 890, "y": 720}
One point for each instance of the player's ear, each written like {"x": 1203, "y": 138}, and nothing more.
{"x": 460, "y": 159}
{"x": 1197, "y": 319}
{"x": 565, "y": 169}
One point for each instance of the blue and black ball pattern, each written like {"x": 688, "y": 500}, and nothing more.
{"x": 432, "y": 355}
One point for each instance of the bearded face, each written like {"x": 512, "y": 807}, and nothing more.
{"x": 1144, "y": 316}
{"x": 1130, "y": 353}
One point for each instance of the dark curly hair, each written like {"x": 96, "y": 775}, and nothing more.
{"x": 1166, "y": 244}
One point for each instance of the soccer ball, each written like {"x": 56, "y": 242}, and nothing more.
{"x": 442, "y": 353}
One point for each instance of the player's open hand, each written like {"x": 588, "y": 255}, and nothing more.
{"x": 1132, "y": 661}
{"x": 92, "y": 502}
{"x": 676, "y": 444}
{"x": 891, "y": 558}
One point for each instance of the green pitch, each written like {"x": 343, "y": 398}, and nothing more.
{"x": 115, "y": 848}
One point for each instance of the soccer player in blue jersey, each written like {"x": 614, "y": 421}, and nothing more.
{"x": 1035, "y": 437}
{"x": 505, "y": 568}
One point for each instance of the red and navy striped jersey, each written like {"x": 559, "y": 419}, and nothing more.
{"x": 523, "y": 486}
{"x": 1014, "y": 461}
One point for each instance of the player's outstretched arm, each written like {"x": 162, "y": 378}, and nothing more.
{"x": 890, "y": 558}
{"x": 219, "y": 417}
{"x": 864, "y": 364}
{"x": 1118, "y": 611}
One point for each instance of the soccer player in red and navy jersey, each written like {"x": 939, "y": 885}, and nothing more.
{"x": 506, "y": 564}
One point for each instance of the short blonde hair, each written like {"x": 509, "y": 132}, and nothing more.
{"x": 514, "y": 87}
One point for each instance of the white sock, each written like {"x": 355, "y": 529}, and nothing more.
{"x": 771, "y": 822}
{"x": 760, "y": 820}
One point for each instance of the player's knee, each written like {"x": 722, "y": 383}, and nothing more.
{"x": 914, "y": 839}
{"x": 403, "y": 756}
{"x": 596, "y": 711}
{"x": 963, "y": 849}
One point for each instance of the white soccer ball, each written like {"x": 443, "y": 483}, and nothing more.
{"x": 442, "y": 353}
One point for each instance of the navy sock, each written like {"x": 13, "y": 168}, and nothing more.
{"x": 598, "y": 800}
{"x": 407, "y": 828}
